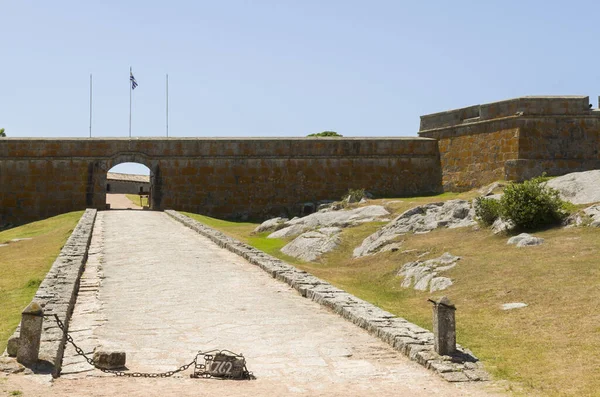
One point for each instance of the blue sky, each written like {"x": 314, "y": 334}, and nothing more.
{"x": 283, "y": 68}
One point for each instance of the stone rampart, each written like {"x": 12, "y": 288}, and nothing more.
{"x": 58, "y": 292}
{"x": 515, "y": 139}
{"x": 218, "y": 177}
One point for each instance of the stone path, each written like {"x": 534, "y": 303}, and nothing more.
{"x": 119, "y": 201}
{"x": 161, "y": 292}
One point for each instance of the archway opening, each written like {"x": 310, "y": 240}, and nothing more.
{"x": 129, "y": 186}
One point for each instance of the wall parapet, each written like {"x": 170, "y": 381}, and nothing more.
{"x": 523, "y": 106}
{"x": 57, "y": 294}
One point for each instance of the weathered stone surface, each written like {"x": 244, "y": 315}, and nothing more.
{"x": 420, "y": 219}
{"x": 10, "y": 365}
{"x": 30, "y": 334}
{"x": 12, "y": 345}
{"x": 502, "y": 226}
{"x": 589, "y": 216}
{"x": 444, "y": 327}
{"x": 489, "y": 189}
{"x": 273, "y": 225}
{"x": 239, "y": 176}
{"x": 422, "y": 275}
{"x": 525, "y": 240}
{"x": 342, "y": 218}
{"x": 513, "y": 305}
{"x": 311, "y": 245}
{"x": 109, "y": 359}
{"x": 578, "y": 187}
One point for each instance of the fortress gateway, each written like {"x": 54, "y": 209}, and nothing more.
{"x": 228, "y": 177}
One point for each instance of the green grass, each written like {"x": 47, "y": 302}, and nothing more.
{"x": 24, "y": 264}
{"x": 135, "y": 199}
{"x": 551, "y": 348}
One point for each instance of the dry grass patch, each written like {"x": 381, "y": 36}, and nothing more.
{"x": 24, "y": 264}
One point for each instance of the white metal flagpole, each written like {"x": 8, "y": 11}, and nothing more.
{"x": 167, "y": 105}
{"x": 130, "y": 89}
{"x": 90, "y": 105}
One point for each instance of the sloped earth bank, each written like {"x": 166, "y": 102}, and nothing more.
{"x": 166, "y": 295}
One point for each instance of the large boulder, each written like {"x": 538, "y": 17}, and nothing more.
{"x": 525, "y": 240}
{"x": 578, "y": 187}
{"x": 311, "y": 245}
{"x": 273, "y": 224}
{"x": 423, "y": 275}
{"x": 344, "y": 218}
{"x": 420, "y": 219}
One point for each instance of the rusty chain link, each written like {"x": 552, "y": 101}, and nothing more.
{"x": 197, "y": 366}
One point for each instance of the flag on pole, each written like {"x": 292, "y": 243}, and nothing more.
{"x": 132, "y": 79}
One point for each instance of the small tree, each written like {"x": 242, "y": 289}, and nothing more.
{"x": 2, "y": 133}
{"x": 532, "y": 204}
{"x": 325, "y": 134}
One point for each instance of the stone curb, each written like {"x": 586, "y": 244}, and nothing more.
{"x": 405, "y": 337}
{"x": 58, "y": 293}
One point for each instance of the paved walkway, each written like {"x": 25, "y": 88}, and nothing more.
{"x": 119, "y": 201}
{"x": 161, "y": 292}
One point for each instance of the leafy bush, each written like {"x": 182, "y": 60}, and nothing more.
{"x": 532, "y": 204}
{"x": 354, "y": 195}
{"x": 325, "y": 133}
{"x": 487, "y": 210}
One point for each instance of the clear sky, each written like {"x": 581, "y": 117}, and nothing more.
{"x": 283, "y": 68}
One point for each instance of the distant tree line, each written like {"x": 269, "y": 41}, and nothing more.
{"x": 2, "y": 133}
{"x": 325, "y": 133}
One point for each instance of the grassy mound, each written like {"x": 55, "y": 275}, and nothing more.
{"x": 24, "y": 264}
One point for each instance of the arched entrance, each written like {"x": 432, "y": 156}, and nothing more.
{"x": 130, "y": 182}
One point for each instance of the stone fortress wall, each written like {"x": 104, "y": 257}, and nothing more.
{"x": 229, "y": 177}
{"x": 456, "y": 150}
{"x": 515, "y": 139}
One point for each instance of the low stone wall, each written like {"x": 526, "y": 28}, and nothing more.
{"x": 410, "y": 339}
{"x": 57, "y": 294}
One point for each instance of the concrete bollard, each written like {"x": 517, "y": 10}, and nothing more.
{"x": 32, "y": 319}
{"x": 444, "y": 327}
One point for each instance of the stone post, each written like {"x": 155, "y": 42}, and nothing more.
{"x": 444, "y": 327}
{"x": 31, "y": 334}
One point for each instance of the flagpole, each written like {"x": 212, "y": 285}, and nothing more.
{"x": 167, "y": 105}
{"x": 130, "y": 89}
{"x": 90, "y": 105}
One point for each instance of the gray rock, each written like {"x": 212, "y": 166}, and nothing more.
{"x": 423, "y": 275}
{"x": 109, "y": 359}
{"x": 439, "y": 283}
{"x": 589, "y": 216}
{"x": 502, "y": 226}
{"x": 578, "y": 187}
{"x": 273, "y": 224}
{"x": 524, "y": 240}
{"x": 514, "y": 305}
{"x": 342, "y": 218}
{"x": 421, "y": 219}
{"x": 489, "y": 189}
{"x": 311, "y": 245}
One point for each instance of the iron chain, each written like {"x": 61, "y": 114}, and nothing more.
{"x": 116, "y": 372}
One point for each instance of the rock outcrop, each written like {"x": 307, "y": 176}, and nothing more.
{"x": 423, "y": 275}
{"x": 578, "y": 187}
{"x": 589, "y": 216}
{"x": 525, "y": 240}
{"x": 420, "y": 219}
{"x": 342, "y": 218}
{"x": 311, "y": 245}
{"x": 271, "y": 225}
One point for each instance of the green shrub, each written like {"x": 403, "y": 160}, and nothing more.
{"x": 532, "y": 204}
{"x": 487, "y": 210}
{"x": 325, "y": 133}
{"x": 354, "y": 195}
